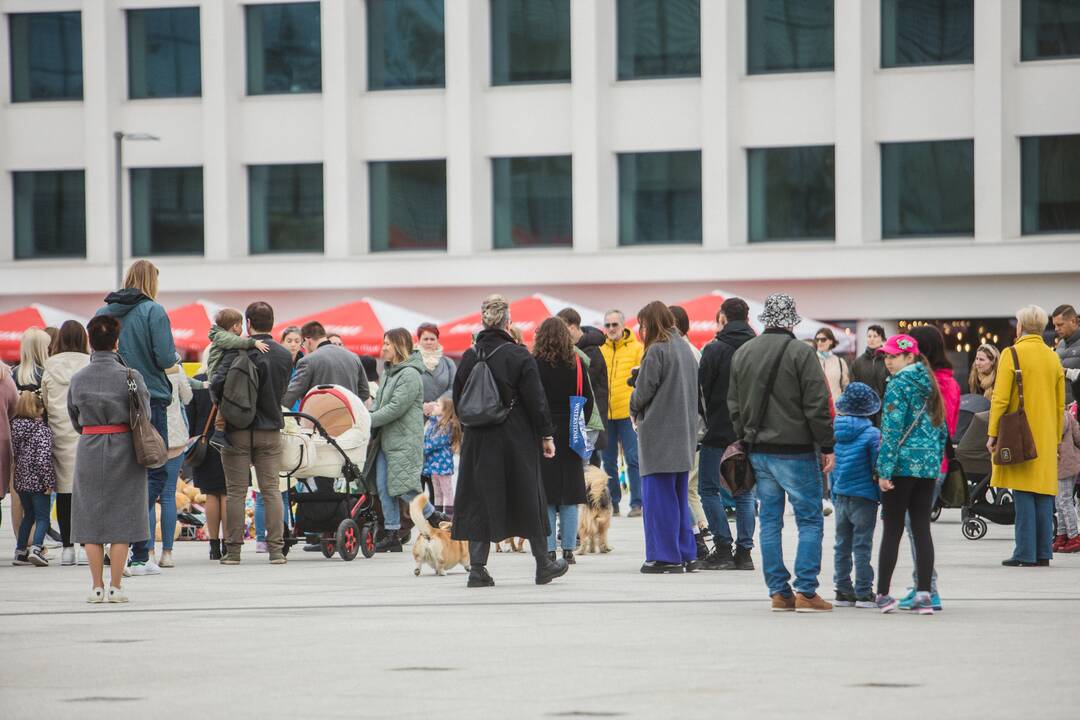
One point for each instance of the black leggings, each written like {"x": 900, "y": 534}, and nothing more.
{"x": 63, "y": 517}
{"x": 909, "y": 495}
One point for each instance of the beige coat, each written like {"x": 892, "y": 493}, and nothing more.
{"x": 54, "y": 391}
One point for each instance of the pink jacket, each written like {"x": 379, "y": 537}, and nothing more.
{"x": 1069, "y": 449}
{"x": 950, "y": 394}
{"x": 8, "y": 395}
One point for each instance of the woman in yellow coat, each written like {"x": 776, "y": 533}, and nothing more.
{"x": 1032, "y": 482}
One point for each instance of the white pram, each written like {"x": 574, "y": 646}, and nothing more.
{"x": 306, "y": 452}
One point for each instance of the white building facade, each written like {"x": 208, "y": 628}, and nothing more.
{"x": 876, "y": 161}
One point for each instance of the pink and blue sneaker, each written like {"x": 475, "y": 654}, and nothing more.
{"x": 886, "y": 603}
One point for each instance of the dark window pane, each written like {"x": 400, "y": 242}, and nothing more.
{"x": 789, "y": 35}
{"x": 1050, "y": 29}
{"x": 163, "y": 53}
{"x": 285, "y": 205}
{"x": 284, "y": 49}
{"x": 660, "y": 198}
{"x": 530, "y": 41}
{"x": 50, "y": 214}
{"x": 46, "y": 56}
{"x": 792, "y": 193}
{"x": 405, "y": 44}
{"x": 659, "y": 38}
{"x": 167, "y": 211}
{"x": 533, "y": 202}
{"x": 927, "y": 189}
{"x": 1050, "y": 184}
{"x": 408, "y": 205}
{"x": 927, "y": 32}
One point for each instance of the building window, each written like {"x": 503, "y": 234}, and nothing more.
{"x": 533, "y": 201}
{"x": 50, "y": 214}
{"x": 927, "y": 189}
{"x": 408, "y": 205}
{"x": 530, "y": 41}
{"x": 789, "y": 36}
{"x": 163, "y": 53}
{"x": 46, "y": 56}
{"x": 659, "y": 38}
{"x": 927, "y": 32}
{"x": 792, "y": 193}
{"x": 167, "y": 211}
{"x": 660, "y": 198}
{"x": 1050, "y": 29}
{"x": 405, "y": 44}
{"x": 285, "y": 206}
{"x": 1050, "y": 184}
{"x": 284, "y": 48}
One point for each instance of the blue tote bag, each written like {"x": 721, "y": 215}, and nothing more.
{"x": 579, "y": 436}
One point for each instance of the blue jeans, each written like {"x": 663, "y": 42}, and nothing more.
{"x": 798, "y": 477}
{"x": 1034, "y": 530}
{"x": 390, "y": 508}
{"x": 36, "y": 507}
{"x": 155, "y": 477}
{"x": 166, "y": 495}
{"x": 260, "y": 513}
{"x": 712, "y": 502}
{"x": 621, "y": 432}
{"x": 568, "y": 521}
{"x": 856, "y": 518}
{"x": 911, "y": 541}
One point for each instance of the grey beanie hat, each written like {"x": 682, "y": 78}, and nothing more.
{"x": 779, "y": 312}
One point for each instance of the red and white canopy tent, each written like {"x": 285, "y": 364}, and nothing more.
{"x": 702, "y": 311}
{"x": 191, "y": 325}
{"x": 362, "y": 323}
{"x": 14, "y": 323}
{"x": 526, "y": 314}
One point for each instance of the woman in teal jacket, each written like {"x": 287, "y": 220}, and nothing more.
{"x": 913, "y": 436}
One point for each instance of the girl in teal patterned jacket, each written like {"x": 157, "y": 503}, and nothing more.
{"x": 913, "y": 434}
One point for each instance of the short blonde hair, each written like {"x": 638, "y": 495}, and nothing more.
{"x": 142, "y": 276}
{"x": 1031, "y": 319}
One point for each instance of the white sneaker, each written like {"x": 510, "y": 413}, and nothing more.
{"x": 67, "y": 556}
{"x": 826, "y": 507}
{"x": 51, "y": 544}
{"x": 137, "y": 569}
{"x": 97, "y": 595}
{"x": 166, "y": 559}
{"x": 116, "y": 595}
{"x": 80, "y": 556}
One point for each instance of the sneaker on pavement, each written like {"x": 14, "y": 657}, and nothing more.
{"x": 922, "y": 604}
{"x": 886, "y": 603}
{"x": 80, "y": 556}
{"x": 844, "y": 599}
{"x": 1059, "y": 542}
{"x": 634, "y": 512}
{"x": 37, "y": 557}
{"x": 166, "y": 559}
{"x": 97, "y": 595}
{"x": 142, "y": 568}
{"x": 231, "y": 557}
{"x": 935, "y": 601}
{"x": 116, "y": 595}
{"x": 826, "y": 507}
{"x": 261, "y": 547}
{"x": 811, "y": 604}
{"x": 719, "y": 559}
{"x": 908, "y": 601}
{"x": 783, "y": 603}
{"x": 277, "y": 558}
{"x": 21, "y": 557}
{"x": 1071, "y": 545}
{"x": 67, "y": 556}
{"x": 865, "y": 601}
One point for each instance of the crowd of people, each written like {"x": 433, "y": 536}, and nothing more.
{"x": 748, "y": 425}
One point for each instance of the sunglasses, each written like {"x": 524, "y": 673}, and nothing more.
{"x": 611, "y": 325}
{"x": 822, "y": 339}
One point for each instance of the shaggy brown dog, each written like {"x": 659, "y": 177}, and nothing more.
{"x": 594, "y": 517}
{"x": 433, "y": 546}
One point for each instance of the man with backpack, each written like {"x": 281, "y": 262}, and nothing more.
{"x": 248, "y": 387}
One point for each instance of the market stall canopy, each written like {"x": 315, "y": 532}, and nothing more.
{"x": 702, "y": 312}
{"x": 526, "y": 314}
{"x": 191, "y": 325}
{"x": 13, "y": 324}
{"x": 361, "y": 324}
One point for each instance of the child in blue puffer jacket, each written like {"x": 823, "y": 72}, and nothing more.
{"x": 855, "y": 494}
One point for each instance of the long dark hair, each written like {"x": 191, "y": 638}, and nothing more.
{"x": 553, "y": 343}
{"x": 931, "y": 345}
{"x": 656, "y": 323}
{"x": 72, "y": 338}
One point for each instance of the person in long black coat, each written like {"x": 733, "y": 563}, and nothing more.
{"x": 564, "y": 474}
{"x": 499, "y": 492}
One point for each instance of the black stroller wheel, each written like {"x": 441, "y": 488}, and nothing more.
{"x": 974, "y": 528}
{"x": 367, "y": 540}
{"x": 935, "y": 512}
{"x": 348, "y": 539}
{"x": 328, "y": 548}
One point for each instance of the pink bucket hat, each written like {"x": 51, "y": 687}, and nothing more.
{"x": 899, "y": 344}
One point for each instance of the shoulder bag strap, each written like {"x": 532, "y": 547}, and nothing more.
{"x": 209, "y": 422}
{"x": 911, "y": 427}
{"x": 578, "y": 359}
{"x": 773, "y": 373}
{"x": 1019, "y": 378}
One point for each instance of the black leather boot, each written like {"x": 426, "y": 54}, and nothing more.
{"x": 478, "y": 574}
{"x": 719, "y": 559}
{"x": 546, "y": 568}
{"x": 743, "y": 561}
{"x": 215, "y": 549}
{"x": 390, "y": 542}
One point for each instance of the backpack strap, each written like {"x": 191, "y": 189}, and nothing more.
{"x": 767, "y": 397}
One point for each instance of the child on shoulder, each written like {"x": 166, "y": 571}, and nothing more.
{"x": 442, "y": 439}
{"x": 855, "y": 494}
{"x": 1068, "y": 539}
{"x": 34, "y": 478}
{"x": 227, "y": 334}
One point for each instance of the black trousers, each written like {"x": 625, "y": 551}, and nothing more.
{"x": 912, "y": 495}
{"x": 63, "y": 517}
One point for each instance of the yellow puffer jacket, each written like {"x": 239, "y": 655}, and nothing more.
{"x": 621, "y": 356}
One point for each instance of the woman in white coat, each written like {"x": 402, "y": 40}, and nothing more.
{"x": 72, "y": 354}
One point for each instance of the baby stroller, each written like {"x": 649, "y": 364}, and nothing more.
{"x": 969, "y": 405}
{"x": 324, "y": 446}
{"x": 983, "y": 502}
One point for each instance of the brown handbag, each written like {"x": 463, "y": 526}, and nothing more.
{"x": 1015, "y": 443}
{"x": 150, "y": 451}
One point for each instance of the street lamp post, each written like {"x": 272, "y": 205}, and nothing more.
{"x": 119, "y": 137}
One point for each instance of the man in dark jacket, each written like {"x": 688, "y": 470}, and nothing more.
{"x": 713, "y": 375}
{"x": 783, "y": 443}
{"x": 259, "y": 443}
{"x": 588, "y": 340}
{"x": 869, "y": 368}
{"x": 325, "y": 364}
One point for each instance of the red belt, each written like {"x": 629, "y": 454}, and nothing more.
{"x": 105, "y": 429}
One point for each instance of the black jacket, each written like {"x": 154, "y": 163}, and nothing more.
{"x": 714, "y": 373}
{"x": 210, "y": 476}
{"x": 499, "y": 492}
{"x": 564, "y": 474}
{"x": 591, "y": 341}
{"x": 869, "y": 368}
{"x": 274, "y": 368}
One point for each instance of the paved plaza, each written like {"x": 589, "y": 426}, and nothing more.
{"x": 323, "y": 638}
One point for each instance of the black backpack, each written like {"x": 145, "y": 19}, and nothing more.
{"x": 481, "y": 404}
{"x": 240, "y": 394}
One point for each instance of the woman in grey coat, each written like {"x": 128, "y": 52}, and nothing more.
{"x": 439, "y": 370}
{"x": 664, "y": 409}
{"x": 110, "y": 495}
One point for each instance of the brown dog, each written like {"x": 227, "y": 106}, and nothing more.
{"x": 434, "y": 546}
{"x": 516, "y": 544}
{"x": 594, "y": 517}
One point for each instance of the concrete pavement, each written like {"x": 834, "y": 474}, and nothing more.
{"x": 323, "y": 638}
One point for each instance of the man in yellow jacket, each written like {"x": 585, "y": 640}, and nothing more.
{"x": 622, "y": 353}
